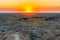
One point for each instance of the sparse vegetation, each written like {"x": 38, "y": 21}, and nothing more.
{"x": 30, "y": 28}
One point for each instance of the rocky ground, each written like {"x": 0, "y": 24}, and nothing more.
{"x": 29, "y": 29}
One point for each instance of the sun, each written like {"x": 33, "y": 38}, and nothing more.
{"x": 28, "y": 9}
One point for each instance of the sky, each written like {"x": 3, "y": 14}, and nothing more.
{"x": 30, "y": 5}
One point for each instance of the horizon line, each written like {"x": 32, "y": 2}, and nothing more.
{"x": 33, "y": 12}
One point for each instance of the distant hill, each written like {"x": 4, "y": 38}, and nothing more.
{"x": 35, "y": 15}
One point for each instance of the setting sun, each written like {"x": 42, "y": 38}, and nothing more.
{"x": 28, "y": 9}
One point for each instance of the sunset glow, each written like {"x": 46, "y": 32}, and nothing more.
{"x": 29, "y": 6}
{"x": 28, "y": 9}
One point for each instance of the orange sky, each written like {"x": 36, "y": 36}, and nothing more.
{"x": 30, "y": 5}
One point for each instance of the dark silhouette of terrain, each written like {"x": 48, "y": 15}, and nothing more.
{"x": 35, "y": 14}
